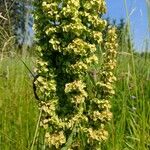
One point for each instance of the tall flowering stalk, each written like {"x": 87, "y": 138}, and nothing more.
{"x": 69, "y": 33}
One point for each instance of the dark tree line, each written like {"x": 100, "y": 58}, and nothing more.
{"x": 19, "y": 23}
{"x": 19, "y": 19}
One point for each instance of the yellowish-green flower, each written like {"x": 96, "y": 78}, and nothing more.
{"x": 69, "y": 34}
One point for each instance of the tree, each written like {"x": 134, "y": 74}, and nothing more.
{"x": 19, "y": 19}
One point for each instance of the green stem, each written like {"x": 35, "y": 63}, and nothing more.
{"x": 36, "y": 130}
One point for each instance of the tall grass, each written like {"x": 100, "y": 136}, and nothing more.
{"x": 148, "y": 12}
{"x": 18, "y": 109}
{"x": 129, "y": 128}
{"x": 131, "y": 106}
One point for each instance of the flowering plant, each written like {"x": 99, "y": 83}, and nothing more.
{"x": 69, "y": 33}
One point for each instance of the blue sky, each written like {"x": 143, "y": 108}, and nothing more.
{"x": 138, "y": 18}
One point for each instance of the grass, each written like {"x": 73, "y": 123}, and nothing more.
{"x": 129, "y": 128}
{"x": 131, "y": 106}
{"x": 18, "y": 108}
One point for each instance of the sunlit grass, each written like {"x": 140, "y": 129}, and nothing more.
{"x": 129, "y": 128}
{"x": 18, "y": 109}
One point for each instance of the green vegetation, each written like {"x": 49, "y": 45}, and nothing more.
{"x": 69, "y": 38}
{"x": 129, "y": 128}
{"x": 18, "y": 109}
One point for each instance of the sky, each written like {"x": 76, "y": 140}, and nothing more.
{"x": 137, "y": 11}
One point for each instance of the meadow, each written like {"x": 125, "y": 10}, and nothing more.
{"x": 129, "y": 128}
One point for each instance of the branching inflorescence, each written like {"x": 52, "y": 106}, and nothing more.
{"x": 68, "y": 33}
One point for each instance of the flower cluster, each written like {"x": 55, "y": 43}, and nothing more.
{"x": 68, "y": 33}
{"x": 107, "y": 76}
{"x": 56, "y": 139}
